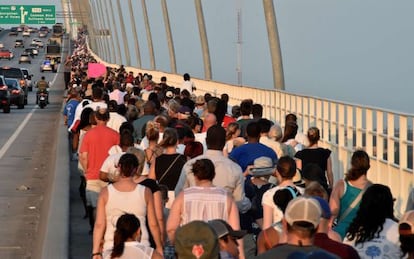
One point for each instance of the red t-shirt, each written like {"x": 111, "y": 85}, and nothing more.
{"x": 97, "y": 142}
{"x": 227, "y": 120}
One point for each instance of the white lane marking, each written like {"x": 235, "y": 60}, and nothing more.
{"x": 9, "y": 142}
{"x": 54, "y": 78}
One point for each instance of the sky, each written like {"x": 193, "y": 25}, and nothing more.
{"x": 353, "y": 51}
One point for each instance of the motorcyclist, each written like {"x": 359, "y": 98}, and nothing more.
{"x": 42, "y": 87}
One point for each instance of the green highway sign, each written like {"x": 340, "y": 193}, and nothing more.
{"x": 27, "y": 14}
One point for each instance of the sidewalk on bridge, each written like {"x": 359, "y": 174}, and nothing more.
{"x": 80, "y": 241}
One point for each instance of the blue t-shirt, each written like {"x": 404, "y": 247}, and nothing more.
{"x": 245, "y": 155}
{"x": 70, "y": 109}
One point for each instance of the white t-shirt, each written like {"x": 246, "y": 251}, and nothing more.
{"x": 187, "y": 85}
{"x": 110, "y": 164}
{"x": 387, "y": 245}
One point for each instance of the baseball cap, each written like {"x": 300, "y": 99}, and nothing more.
{"x": 305, "y": 209}
{"x": 196, "y": 240}
{"x": 263, "y": 166}
{"x": 169, "y": 94}
{"x": 222, "y": 229}
{"x": 406, "y": 224}
{"x": 184, "y": 110}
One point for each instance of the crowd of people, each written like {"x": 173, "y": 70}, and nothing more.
{"x": 166, "y": 173}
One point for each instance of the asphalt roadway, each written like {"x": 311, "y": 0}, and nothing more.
{"x": 29, "y": 158}
{"x": 41, "y": 214}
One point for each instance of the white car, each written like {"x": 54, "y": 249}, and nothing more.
{"x": 26, "y": 33}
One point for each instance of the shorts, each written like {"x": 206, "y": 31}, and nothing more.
{"x": 93, "y": 188}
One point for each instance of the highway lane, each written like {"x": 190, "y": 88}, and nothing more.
{"x": 28, "y": 143}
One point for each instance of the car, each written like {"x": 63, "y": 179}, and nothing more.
{"x": 42, "y": 34}
{"x": 33, "y": 29}
{"x": 13, "y": 31}
{"x": 6, "y": 54}
{"x": 44, "y": 28}
{"x": 25, "y": 58}
{"x": 47, "y": 66}
{"x": 38, "y": 42}
{"x": 4, "y": 96}
{"x": 1, "y": 45}
{"x": 28, "y": 78}
{"x": 32, "y": 51}
{"x": 26, "y": 33}
{"x": 15, "y": 72}
{"x": 19, "y": 43}
{"x": 16, "y": 92}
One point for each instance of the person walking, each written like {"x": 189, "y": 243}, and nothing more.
{"x": 373, "y": 232}
{"x": 346, "y": 194}
{"x": 203, "y": 202}
{"x": 126, "y": 241}
{"x": 92, "y": 153}
{"x": 125, "y": 196}
{"x": 316, "y": 155}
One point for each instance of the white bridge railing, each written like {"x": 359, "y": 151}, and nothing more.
{"x": 387, "y": 136}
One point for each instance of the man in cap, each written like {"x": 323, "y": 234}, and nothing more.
{"x": 300, "y": 222}
{"x": 227, "y": 238}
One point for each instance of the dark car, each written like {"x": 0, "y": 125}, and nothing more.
{"x": 13, "y": 31}
{"x": 44, "y": 28}
{"x": 16, "y": 92}
{"x": 4, "y": 96}
{"x": 32, "y": 51}
{"x": 15, "y": 72}
{"x": 19, "y": 43}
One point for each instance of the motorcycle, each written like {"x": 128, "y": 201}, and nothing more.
{"x": 43, "y": 99}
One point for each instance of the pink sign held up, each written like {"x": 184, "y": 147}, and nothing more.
{"x": 96, "y": 70}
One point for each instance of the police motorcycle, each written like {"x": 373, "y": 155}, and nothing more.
{"x": 42, "y": 96}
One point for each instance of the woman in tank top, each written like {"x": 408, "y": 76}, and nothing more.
{"x": 346, "y": 191}
{"x": 125, "y": 196}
